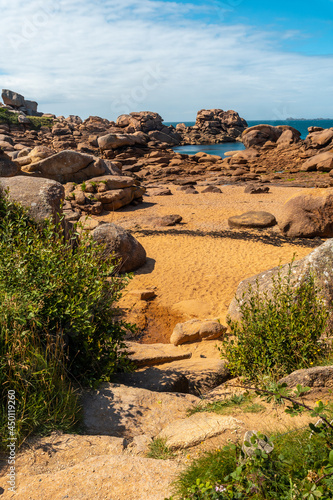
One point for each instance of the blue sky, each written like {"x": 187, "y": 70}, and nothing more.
{"x": 94, "y": 57}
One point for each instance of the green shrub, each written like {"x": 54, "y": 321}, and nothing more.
{"x": 280, "y": 332}
{"x": 58, "y": 319}
{"x": 36, "y": 121}
{"x": 298, "y": 466}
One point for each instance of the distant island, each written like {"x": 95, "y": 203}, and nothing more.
{"x": 306, "y": 119}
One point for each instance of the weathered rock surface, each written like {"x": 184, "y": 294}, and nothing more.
{"x": 43, "y": 197}
{"x": 252, "y": 219}
{"x": 193, "y": 376}
{"x": 319, "y": 262}
{"x": 122, "y": 244}
{"x": 322, "y": 162}
{"x": 258, "y": 135}
{"x": 118, "y": 410}
{"x": 320, "y": 138}
{"x": 213, "y": 126}
{"x": 308, "y": 214}
{"x": 196, "y": 330}
{"x": 116, "y": 477}
{"x": 8, "y": 168}
{"x": 317, "y": 376}
{"x": 67, "y": 166}
{"x": 154, "y": 354}
{"x": 18, "y": 102}
{"x": 196, "y": 428}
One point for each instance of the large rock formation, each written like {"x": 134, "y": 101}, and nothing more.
{"x": 261, "y": 134}
{"x": 308, "y": 214}
{"x": 213, "y": 126}
{"x": 67, "y": 166}
{"x": 13, "y": 100}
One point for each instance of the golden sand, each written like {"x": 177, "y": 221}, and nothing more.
{"x": 195, "y": 267}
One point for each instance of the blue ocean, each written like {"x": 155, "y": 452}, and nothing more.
{"x": 220, "y": 149}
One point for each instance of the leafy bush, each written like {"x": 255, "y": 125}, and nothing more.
{"x": 57, "y": 319}
{"x": 278, "y": 333}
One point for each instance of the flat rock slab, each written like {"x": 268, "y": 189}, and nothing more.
{"x": 253, "y": 219}
{"x": 196, "y": 428}
{"x": 154, "y": 354}
{"x": 113, "y": 477}
{"x": 121, "y": 411}
{"x": 193, "y": 376}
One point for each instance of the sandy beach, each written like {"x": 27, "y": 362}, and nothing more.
{"x": 195, "y": 267}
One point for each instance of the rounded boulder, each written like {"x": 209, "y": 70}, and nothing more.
{"x": 122, "y": 244}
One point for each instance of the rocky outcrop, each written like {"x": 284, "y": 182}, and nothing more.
{"x": 108, "y": 192}
{"x": 213, "y": 126}
{"x": 261, "y": 134}
{"x": 15, "y": 101}
{"x": 319, "y": 139}
{"x": 67, "y": 166}
{"x": 323, "y": 162}
{"x": 120, "y": 243}
{"x": 43, "y": 197}
{"x": 308, "y": 214}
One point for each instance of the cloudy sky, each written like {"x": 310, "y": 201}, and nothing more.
{"x": 108, "y": 57}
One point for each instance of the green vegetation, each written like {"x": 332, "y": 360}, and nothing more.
{"x": 278, "y": 333}
{"x": 299, "y": 467}
{"x": 237, "y": 402}
{"x": 159, "y": 450}
{"x": 57, "y": 321}
{"x": 37, "y": 121}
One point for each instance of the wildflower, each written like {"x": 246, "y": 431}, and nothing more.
{"x": 220, "y": 488}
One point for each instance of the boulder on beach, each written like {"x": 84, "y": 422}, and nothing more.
{"x": 308, "y": 214}
{"x": 253, "y": 220}
{"x": 122, "y": 244}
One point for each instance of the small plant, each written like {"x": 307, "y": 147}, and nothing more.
{"x": 83, "y": 186}
{"x": 237, "y": 402}
{"x": 290, "y": 320}
{"x": 159, "y": 450}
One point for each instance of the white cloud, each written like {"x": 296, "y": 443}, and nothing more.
{"x": 113, "y": 56}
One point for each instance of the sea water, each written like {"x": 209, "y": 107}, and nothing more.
{"x": 220, "y": 149}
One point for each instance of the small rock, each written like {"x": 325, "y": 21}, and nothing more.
{"x": 143, "y": 294}
{"x": 211, "y": 189}
{"x": 251, "y": 189}
{"x": 195, "y": 329}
